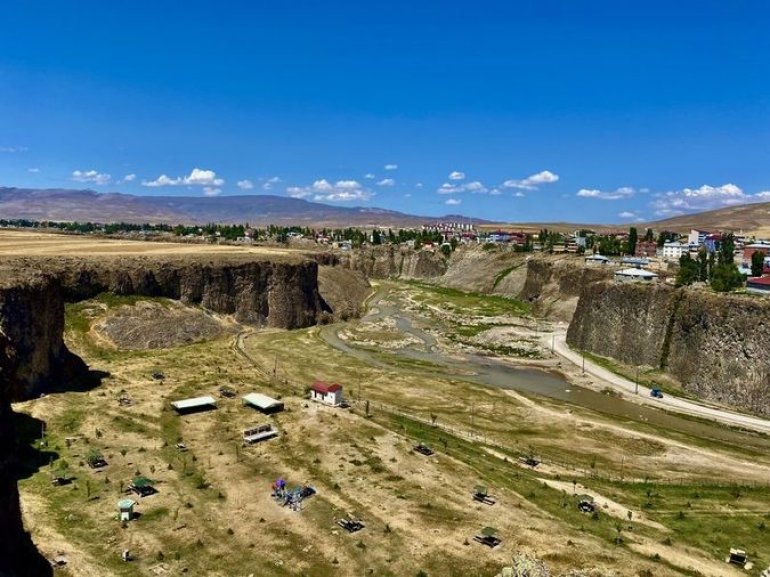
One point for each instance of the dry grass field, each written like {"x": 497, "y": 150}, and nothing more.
{"x": 667, "y": 503}
{"x": 690, "y": 498}
{"x": 28, "y": 243}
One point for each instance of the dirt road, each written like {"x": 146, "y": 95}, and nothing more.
{"x": 559, "y": 342}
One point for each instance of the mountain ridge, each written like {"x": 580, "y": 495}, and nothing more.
{"x": 60, "y": 204}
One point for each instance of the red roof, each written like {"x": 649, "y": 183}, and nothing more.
{"x": 321, "y": 387}
{"x": 762, "y": 281}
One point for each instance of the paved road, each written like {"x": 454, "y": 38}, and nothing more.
{"x": 677, "y": 404}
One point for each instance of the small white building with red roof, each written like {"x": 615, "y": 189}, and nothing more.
{"x": 328, "y": 394}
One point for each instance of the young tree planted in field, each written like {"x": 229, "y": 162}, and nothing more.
{"x": 757, "y": 263}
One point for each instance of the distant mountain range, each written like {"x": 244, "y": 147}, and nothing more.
{"x": 65, "y": 205}
{"x": 260, "y": 210}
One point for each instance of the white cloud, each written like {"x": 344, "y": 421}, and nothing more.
{"x": 519, "y": 194}
{"x": 533, "y": 181}
{"x": 391, "y": 167}
{"x": 495, "y": 192}
{"x": 211, "y": 191}
{"x": 627, "y": 214}
{"x": 129, "y": 177}
{"x": 324, "y": 191}
{"x": 197, "y": 177}
{"x": 407, "y": 195}
{"x": 245, "y": 184}
{"x": 370, "y": 176}
{"x": 34, "y": 170}
{"x": 706, "y": 197}
{"x": 162, "y": 180}
{"x": 12, "y": 149}
{"x": 617, "y": 194}
{"x": 90, "y": 176}
{"x": 386, "y": 182}
{"x": 456, "y": 175}
{"x": 274, "y": 180}
{"x": 475, "y": 187}
{"x": 203, "y": 178}
{"x": 453, "y": 201}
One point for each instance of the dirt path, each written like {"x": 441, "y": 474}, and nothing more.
{"x": 676, "y": 404}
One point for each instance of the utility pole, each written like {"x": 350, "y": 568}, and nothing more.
{"x": 637, "y": 380}
{"x": 553, "y": 342}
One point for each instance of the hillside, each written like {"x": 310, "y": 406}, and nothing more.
{"x": 258, "y": 210}
{"x": 749, "y": 218}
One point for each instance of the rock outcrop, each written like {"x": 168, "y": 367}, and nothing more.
{"x": 714, "y": 345}
{"x": 390, "y": 262}
{"x": 22, "y": 360}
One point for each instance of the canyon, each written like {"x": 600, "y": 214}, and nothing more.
{"x": 279, "y": 292}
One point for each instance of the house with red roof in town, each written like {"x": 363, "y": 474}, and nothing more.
{"x": 759, "y": 285}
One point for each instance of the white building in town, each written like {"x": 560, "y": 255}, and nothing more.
{"x": 674, "y": 250}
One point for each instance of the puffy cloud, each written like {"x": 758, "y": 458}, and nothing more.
{"x": 129, "y": 177}
{"x": 245, "y": 184}
{"x": 197, "y": 177}
{"x": 519, "y": 194}
{"x": 162, "y": 180}
{"x": 324, "y": 191}
{"x": 627, "y": 214}
{"x": 418, "y": 185}
{"x": 456, "y": 175}
{"x": 706, "y": 197}
{"x": 474, "y": 186}
{"x": 211, "y": 191}
{"x": 90, "y": 176}
{"x": 453, "y": 201}
{"x": 386, "y": 182}
{"x": 391, "y": 167}
{"x": 369, "y": 176}
{"x": 617, "y": 194}
{"x": 533, "y": 181}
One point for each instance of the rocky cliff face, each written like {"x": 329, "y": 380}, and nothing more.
{"x": 553, "y": 284}
{"x": 32, "y": 352}
{"x": 715, "y": 345}
{"x": 391, "y": 262}
{"x": 21, "y": 360}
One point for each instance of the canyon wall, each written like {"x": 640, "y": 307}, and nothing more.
{"x": 387, "y": 261}
{"x": 22, "y": 360}
{"x": 274, "y": 293}
{"x": 714, "y": 345}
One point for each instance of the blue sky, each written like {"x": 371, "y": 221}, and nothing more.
{"x": 595, "y": 111}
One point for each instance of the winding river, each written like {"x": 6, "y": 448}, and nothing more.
{"x": 499, "y": 373}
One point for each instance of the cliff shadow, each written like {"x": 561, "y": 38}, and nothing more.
{"x": 76, "y": 376}
{"x": 31, "y": 452}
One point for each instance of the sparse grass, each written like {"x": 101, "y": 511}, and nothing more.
{"x": 213, "y": 498}
{"x": 463, "y": 302}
